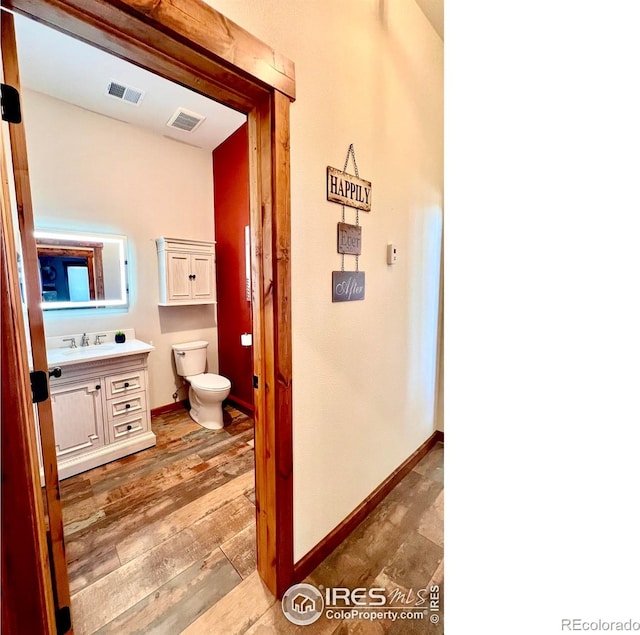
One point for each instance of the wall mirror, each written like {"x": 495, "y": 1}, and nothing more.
{"x": 82, "y": 270}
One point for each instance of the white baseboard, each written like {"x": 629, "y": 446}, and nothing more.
{"x": 105, "y": 454}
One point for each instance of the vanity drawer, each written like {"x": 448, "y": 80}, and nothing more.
{"x": 125, "y": 383}
{"x": 120, "y": 429}
{"x": 123, "y": 407}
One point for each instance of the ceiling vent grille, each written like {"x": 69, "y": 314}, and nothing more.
{"x": 125, "y": 93}
{"x": 185, "y": 120}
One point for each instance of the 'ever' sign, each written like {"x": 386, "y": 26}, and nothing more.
{"x": 348, "y": 190}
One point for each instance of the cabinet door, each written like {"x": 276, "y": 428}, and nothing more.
{"x": 77, "y": 417}
{"x": 178, "y": 272}
{"x": 202, "y": 266}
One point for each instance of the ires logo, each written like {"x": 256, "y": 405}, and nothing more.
{"x": 304, "y": 604}
{"x": 341, "y": 597}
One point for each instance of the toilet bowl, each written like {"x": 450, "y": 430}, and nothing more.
{"x": 207, "y": 391}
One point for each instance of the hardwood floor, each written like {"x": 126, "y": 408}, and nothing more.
{"x": 164, "y": 541}
{"x": 156, "y": 538}
{"x": 398, "y": 546}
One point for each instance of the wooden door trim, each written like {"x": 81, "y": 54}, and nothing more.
{"x": 27, "y": 591}
{"x": 268, "y": 130}
{"x": 18, "y": 140}
{"x": 185, "y": 41}
{"x": 188, "y": 42}
{"x": 282, "y": 439}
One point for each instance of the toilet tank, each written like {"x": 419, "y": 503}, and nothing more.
{"x": 191, "y": 357}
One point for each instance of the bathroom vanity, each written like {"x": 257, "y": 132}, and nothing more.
{"x": 99, "y": 402}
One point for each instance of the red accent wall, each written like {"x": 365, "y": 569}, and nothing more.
{"x": 231, "y": 202}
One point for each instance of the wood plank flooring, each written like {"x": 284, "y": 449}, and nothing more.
{"x": 155, "y": 539}
{"x": 398, "y": 546}
{"x": 163, "y": 541}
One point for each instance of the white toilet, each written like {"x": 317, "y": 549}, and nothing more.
{"x": 206, "y": 390}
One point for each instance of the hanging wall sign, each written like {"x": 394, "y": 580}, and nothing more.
{"x": 348, "y": 190}
{"x": 347, "y": 285}
{"x": 349, "y": 239}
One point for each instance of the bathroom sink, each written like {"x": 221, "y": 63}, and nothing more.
{"x": 88, "y": 350}
{"x": 67, "y": 356}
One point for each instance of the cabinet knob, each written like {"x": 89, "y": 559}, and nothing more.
{"x": 129, "y": 427}
{"x": 128, "y": 406}
{"x": 98, "y": 387}
{"x": 126, "y": 384}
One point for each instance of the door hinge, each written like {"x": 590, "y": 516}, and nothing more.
{"x": 256, "y": 381}
{"x": 63, "y": 620}
{"x": 39, "y": 386}
{"x": 10, "y": 104}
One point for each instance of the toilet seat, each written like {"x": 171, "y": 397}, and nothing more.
{"x": 209, "y": 382}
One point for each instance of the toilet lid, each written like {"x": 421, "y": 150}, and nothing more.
{"x": 209, "y": 381}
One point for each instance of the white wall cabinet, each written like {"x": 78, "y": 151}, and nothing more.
{"x": 100, "y": 412}
{"x": 186, "y": 271}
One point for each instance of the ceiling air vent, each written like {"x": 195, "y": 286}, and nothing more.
{"x": 185, "y": 120}
{"x": 125, "y": 93}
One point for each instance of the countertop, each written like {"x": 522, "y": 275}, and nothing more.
{"x": 69, "y": 356}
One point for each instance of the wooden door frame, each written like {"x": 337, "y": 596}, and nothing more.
{"x": 27, "y": 589}
{"x": 188, "y": 42}
{"x": 53, "y": 530}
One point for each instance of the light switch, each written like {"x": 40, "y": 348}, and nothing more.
{"x": 392, "y": 254}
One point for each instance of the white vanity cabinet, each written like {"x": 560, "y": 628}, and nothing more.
{"x": 100, "y": 412}
{"x": 186, "y": 270}
{"x": 78, "y": 417}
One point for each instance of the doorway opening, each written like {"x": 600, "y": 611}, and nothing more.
{"x": 182, "y": 55}
{"x": 120, "y": 516}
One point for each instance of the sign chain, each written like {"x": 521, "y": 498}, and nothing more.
{"x": 351, "y": 153}
{"x": 342, "y": 266}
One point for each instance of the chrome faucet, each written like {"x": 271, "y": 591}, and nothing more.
{"x": 85, "y": 340}
{"x": 72, "y": 340}
{"x": 97, "y": 340}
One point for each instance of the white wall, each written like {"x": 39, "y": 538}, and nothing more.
{"x": 90, "y": 172}
{"x": 368, "y": 72}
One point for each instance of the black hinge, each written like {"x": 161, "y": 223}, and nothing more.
{"x": 39, "y": 386}
{"x": 63, "y": 620}
{"x": 256, "y": 381}
{"x": 10, "y": 104}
